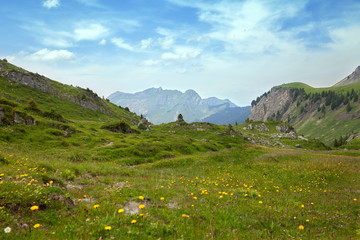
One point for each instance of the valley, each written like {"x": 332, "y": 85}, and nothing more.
{"x": 76, "y": 166}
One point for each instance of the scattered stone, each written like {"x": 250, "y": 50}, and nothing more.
{"x": 61, "y": 198}
{"x": 350, "y": 138}
{"x": 302, "y": 138}
{"x": 297, "y": 145}
{"x": 284, "y": 128}
{"x": 261, "y": 128}
{"x": 173, "y": 205}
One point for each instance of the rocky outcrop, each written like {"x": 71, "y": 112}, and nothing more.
{"x": 10, "y": 117}
{"x": 272, "y": 104}
{"x": 352, "y": 78}
{"x": 284, "y": 128}
{"x": 88, "y": 100}
{"x": 262, "y": 128}
{"x": 144, "y": 124}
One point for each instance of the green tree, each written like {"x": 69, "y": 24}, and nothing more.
{"x": 180, "y": 118}
{"x": 348, "y": 107}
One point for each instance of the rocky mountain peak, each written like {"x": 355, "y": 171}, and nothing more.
{"x": 352, "y": 78}
{"x": 160, "y": 106}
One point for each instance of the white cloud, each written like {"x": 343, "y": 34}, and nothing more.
{"x": 102, "y": 42}
{"x": 170, "y": 56}
{"x": 121, "y": 44}
{"x": 166, "y": 42}
{"x": 181, "y": 53}
{"x": 55, "y": 55}
{"x": 151, "y": 62}
{"x": 51, "y": 3}
{"x": 250, "y": 26}
{"x": 146, "y": 43}
{"x": 92, "y": 31}
{"x": 56, "y": 42}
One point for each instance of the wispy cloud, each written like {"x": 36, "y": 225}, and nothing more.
{"x": 102, "y": 42}
{"x": 94, "y": 31}
{"x": 119, "y": 42}
{"x": 51, "y": 3}
{"x": 56, "y": 42}
{"x": 146, "y": 43}
{"x": 54, "y": 55}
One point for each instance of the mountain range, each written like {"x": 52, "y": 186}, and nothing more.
{"x": 323, "y": 113}
{"x": 163, "y": 106}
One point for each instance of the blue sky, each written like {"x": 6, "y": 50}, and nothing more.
{"x": 228, "y": 49}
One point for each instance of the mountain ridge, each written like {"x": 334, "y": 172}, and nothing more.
{"x": 162, "y": 105}
{"x": 352, "y": 78}
{"x": 324, "y": 113}
{"x": 22, "y": 85}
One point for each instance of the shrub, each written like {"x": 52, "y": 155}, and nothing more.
{"x": 120, "y": 127}
{"x": 67, "y": 175}
{"x": 54, "y": 115}
{"x": 32, "y": 105}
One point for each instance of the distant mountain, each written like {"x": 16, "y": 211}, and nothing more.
{"x": 323, "y": 113}
{"x": 163, "y": 106}
{"x": 230, "y": 116}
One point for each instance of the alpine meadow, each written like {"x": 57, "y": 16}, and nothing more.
{"x": 178, "y": 119}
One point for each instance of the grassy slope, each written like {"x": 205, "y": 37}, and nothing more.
{"x": 309, "y": 89}
{"x": 329, "y": 126}
{"x": 213, "y": 185}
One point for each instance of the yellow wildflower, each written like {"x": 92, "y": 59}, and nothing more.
{"x": 142, "y": 206}
{"x": 108, "y": 228}
{"x": 162, "y": 199}
{"x": 301, "y": 227}
{"x": 33, "y": 208}
{"x": 120, "y": 210}
{"x": 141, "y": 197}
{"x": 133, "y": 221}
{"x": 96, "y": 206}
{"x": 36, "y": 225}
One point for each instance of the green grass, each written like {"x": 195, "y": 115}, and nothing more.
{"x": 309, "y": 89}
{"x": 195, "y": 181}
{"x": 247, "y": 192}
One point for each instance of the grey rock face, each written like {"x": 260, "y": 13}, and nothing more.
{"x": 277, "y": 101}
{"x": 352, "y": 78}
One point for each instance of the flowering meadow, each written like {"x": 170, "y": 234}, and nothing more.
{"x": 249, "y": 192}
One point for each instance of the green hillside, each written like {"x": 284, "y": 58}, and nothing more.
{"x": 324, "y": 113}
{"x": 309, "y": 89}
{"x": 65, "y": 173}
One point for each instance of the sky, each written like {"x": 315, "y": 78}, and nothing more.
{"x": 230, "y": 49}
